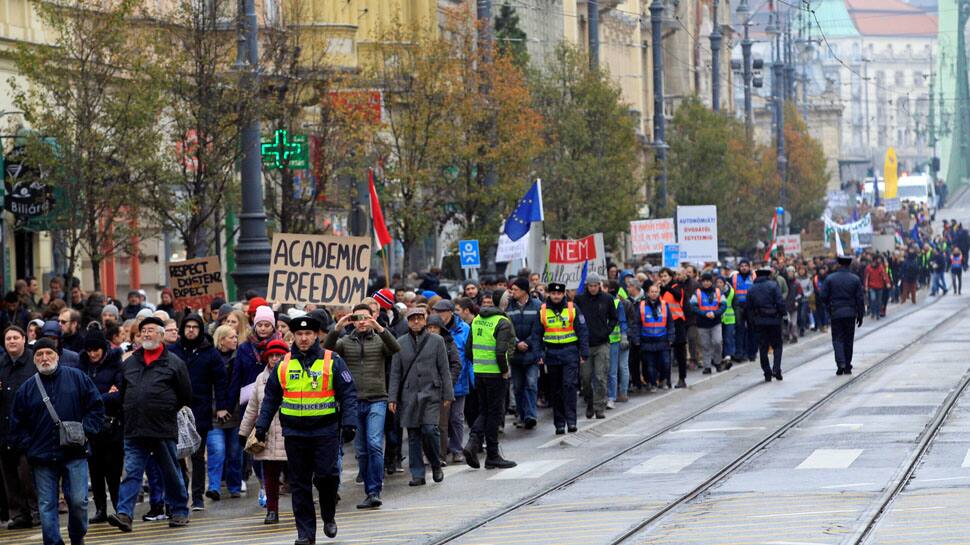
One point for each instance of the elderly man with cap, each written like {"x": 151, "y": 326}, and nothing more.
{"x": 315, "y": 395}
{"x": 764, "y": 310}
{"x": 57, "y": 395}
{"x": 565, "y": 340}
{"x": 523, "y": 311}
{"x": 844, "y": 297}
{"x": 420, "y": 385}
{"x": 602, "y": 316}
{"x": 458, "y": 330}
{"x": 708, "y": 305}
{"x": 155, "y": 386}
{"x": 364, "y": 350}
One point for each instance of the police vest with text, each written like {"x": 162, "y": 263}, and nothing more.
{"x": 484, "y": 355}
{"x": 653, "y": 323}
{"x": 559, "y": 328}
{"x": 308, "y": 394}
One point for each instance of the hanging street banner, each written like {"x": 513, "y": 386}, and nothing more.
{"x": 565, "y": 260}
{"x": 890, "y": 174}
{"x": 318, "y": 269}
{"x": 196, "y": 282}
{"x": 697, "y": 233}
{"x": 792, "y": 244}
{"x": 650, "y": 236}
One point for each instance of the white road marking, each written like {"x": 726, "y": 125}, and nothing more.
{"x": 966, "y": 461}
{"x": 853, "y": 427}
{"x": 620, "y": 435}
{"x": 666, "y": 463}
{"x": 830, "y": 458}
{"x": 781, "y": 515}
{"x": 940, "y": 479}
{"x": 793, "y": 543}
{"x": 850, "y": 485}
{"x": 529, "y": 470}
{"x": 709, "y": 430}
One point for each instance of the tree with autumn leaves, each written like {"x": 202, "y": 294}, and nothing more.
{"x": 713, "y": 162}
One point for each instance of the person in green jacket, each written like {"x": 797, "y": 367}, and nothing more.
{"x": 727, "y": 321}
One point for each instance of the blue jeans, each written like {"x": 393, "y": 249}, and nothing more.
{"x": 156, "y": 483}
{"x": 137, "y": 453}
{"x": 727, "y": 334}
{"x": 622, "y": 373}
{"x": 47, "y": 479}
{"x": 939, "y": 283}
{"x": 369, "y": 444}
{"x": 525, "y": 384}
{"x": 224, "y": 452}
{"x": 875, "y": 302}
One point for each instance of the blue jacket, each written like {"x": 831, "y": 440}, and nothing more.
{"x": 75, "y": 399}
{"x": 466, "y": 378}
{"x": 311, "y": 426}
{"x": 528, "y": 328}
{"x": 105, "y": 374}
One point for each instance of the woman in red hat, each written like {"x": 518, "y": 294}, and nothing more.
{"x": 273, "y": 455}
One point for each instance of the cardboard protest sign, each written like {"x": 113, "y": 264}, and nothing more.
{"x": 196, "y": 282}
{"x": 565, "y": 260}
{"x": 318, "y": 269}
{"x": 650, "y": 236}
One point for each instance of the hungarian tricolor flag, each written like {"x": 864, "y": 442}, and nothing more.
{"x": 774, "y": 236}
{"x": 380, "y": 228}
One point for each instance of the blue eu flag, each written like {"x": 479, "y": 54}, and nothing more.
{"x": 528, "y": 211}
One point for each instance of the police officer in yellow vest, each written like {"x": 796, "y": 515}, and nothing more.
{"x": 315, "y": 395}
{"x": 489, "y": 344}
{"x": 565, "y": 339}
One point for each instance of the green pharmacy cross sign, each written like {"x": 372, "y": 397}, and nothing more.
{"x": 285, "y": 151}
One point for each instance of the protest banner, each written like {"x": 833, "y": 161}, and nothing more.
{"x": 318, "y": 269}
{"x": 565, "y": 259}
{"x": 509, "y": 249}
{"x": 196, "y": 282}
{"x": 697, "y": 233}
{"x": 792, "y": 244}
{"x": 650, "y": 236}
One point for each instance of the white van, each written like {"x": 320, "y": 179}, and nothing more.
{"x": 918, "y": 189}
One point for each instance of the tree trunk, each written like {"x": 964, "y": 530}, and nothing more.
{"x": 96, "y": 273}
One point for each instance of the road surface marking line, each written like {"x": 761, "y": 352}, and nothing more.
{"x": 708, "y": 430}
{"x": 847, "y": 485}
{"x": 853, "y": 427}
{"x": 781, "y": 515}
{"x": 529, "y": 470}
{"x": 830, "y": 458}
{"x": 941, "y": 479}
{"x": 666, "y": 463}
{"x": 966, "y": 460}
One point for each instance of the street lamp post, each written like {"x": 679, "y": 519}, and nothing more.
{"x": 715, "y": 60}
{"x": 253, "y": 249}
{"x": 660, "y": 147}
{"x": 744, "y": 13}
{"x": 777, "y": 86}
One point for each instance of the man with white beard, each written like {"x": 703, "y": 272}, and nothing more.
{"x": 156, "y": 385}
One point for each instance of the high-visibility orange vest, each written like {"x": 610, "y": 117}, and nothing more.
{"x": 676, "y": 307}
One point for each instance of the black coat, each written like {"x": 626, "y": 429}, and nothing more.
{"x": 764, "y": 306}
{"x": 74, "y": 398}
{"x": 601, "y": 316}
{"x": 13, "y": 373}
{"x": 105, "y": 374}
{"x": 843, "y": 294}
{"x": 153, "y": 394}
{"x": 210, "y": 382}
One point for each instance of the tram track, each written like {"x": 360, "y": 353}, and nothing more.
{"x": 811, "y": 355}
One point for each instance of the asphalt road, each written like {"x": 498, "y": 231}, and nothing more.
{"x": 814, "y": 483}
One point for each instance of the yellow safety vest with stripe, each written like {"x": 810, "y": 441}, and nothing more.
{"x": 615, "y": 335}
{"x": 559, "y": 329}
{"x": 484, "y": 355}
{"x": 307, "y": 392}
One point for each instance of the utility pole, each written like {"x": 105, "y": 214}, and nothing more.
{"x": 872, "y": 168}
{"x": 778, "y": 90}
{"x": 932, "y": 122}
{"x": 593, "y": 31}
{"x": 253, "y": 249}
{"x": 715, "y": 61}
{"x": 789, "y": 60}
{"x": 660, "y": 147}
{"x": 744, "y": 13}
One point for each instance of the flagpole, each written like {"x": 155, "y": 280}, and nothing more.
{"x": 387, "y": 275}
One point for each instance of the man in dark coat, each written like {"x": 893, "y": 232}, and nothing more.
{"x": 765, "y": 309}
{"x": 523, "y": 311}
{"x": 52, "y": 330}
{"x": 57, "y": 394}
{"x": 209, "y": 385}
{"x": 16, "y": 367}
{"x": 312, "y": 440}
{"x": 843, "y": 294}
{"x": 601, "y": 316}
{"x": 156, "y": 385}
{"x": 420, "y": 386}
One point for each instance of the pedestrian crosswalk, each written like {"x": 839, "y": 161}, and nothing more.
{"x": 529, "y": 470}
{"x": 830, "y": 458}
{"x": 966, "y": 460}
{"x": 666, "y": 463}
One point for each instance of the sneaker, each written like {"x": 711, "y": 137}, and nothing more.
{"x": 610, "y": 404}
{"x": 242, "y": 486}
{"x": 262, "y": 497}
{"x": 156, "y": 513}
{"x": 198, "y": 506}
{"x": 213, "y": 495}
{"x": 370, "y": 502}
{"x": 530, "y": 423}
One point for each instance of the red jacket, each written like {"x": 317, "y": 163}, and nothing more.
{"x": 876, "y": 277}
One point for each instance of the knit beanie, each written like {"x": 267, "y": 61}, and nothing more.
{"x": 384, "y": 298}
{"x": 264, "y": 314}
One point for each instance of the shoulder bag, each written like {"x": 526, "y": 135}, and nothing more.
{"x": 70, "y": 434}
